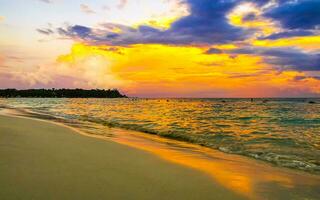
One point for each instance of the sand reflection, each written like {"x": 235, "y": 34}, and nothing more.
{"x": 250, "y": 178}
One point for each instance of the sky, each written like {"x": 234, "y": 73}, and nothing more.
{"x": 163, "y": 48}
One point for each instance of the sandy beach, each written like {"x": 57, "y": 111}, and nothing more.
{"x": 46, "y": 160}
{"x": 41, "y": 160}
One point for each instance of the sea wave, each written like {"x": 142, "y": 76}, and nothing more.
{"x": 283, "y": 160}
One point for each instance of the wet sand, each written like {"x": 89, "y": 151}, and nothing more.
{"x": 42, "y": 160}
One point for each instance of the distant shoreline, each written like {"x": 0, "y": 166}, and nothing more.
{"x": 61, "y": 93}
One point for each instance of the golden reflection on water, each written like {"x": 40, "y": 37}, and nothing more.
{"x": 245, "y": 176}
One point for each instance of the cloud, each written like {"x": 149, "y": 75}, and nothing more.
{"x": 20, "y": 77}
{"x": 250, "y": 17}
{"x": 1, "y": 18}
{"x": 299, "y": 14}
{"x": 45, "y": 31}
{"x": 81, "y": 31}
{"x": 206, "y": 24}
{"x": 306, "y": 43}
{"x": 86, "y": 9}
{"x": 287, "y": 34}
{"x": 284, "y": 58}
{"x": 213, "y": 51}
{"x": 298, "y": 78}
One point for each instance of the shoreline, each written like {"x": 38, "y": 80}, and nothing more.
{"x": 30, "y": 114}
{"x": 235, "y": 173}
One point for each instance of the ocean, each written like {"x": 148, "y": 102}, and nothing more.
{"x": 284, "y": 132}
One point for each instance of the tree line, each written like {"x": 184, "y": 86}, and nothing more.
{"x": 61, "y": 93}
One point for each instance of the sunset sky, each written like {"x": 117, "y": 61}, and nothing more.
{"x": 163, "y": 48}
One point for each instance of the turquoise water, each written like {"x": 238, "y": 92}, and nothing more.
{"x": 285, "y": 132}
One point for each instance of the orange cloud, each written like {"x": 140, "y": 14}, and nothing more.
{"x": 303, "y": 42}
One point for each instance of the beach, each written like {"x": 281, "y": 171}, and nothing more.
{"x": 41, "y": 160}
{"x": 160, "y": 100}
{"x": 48, "y": 160}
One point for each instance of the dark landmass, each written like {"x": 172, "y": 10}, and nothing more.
{"x": 61, "y": 93}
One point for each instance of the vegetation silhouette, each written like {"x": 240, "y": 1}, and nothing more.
{"x": 61, "y": 93}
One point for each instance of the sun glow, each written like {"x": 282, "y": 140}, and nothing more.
{"x": 142, "y": 68}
